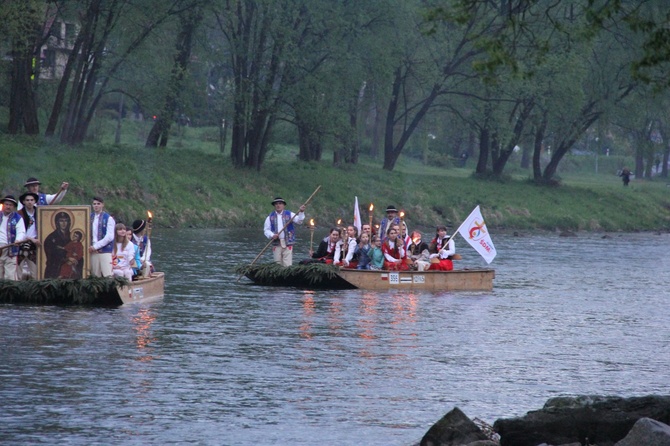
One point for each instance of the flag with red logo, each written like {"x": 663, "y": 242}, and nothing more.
{"x": 474, "y": 231}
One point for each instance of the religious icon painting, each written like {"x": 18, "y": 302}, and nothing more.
{"x": 64, "y": 235}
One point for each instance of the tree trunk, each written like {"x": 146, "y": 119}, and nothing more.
{"x": 484, "y": 144}
{"x": 161, "y": 128}
{"x": 538, "y": 145}
{"x": 392, "y": 151}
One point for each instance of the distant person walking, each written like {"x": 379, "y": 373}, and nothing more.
{"x": 625, "y": 175}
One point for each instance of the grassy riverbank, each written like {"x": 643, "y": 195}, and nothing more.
{"x": 193, "y": 184}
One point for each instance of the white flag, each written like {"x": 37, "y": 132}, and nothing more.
{"x": 474, "y": 231}
{"x": 357, "y": 217}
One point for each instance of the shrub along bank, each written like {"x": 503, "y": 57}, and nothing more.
{"x": 187, "y": 187}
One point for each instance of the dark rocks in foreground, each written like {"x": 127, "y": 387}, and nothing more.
{"x": 565, "y": 421}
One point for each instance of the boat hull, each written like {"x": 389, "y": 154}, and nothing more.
{"x": 456, "y": 280}
{"x": 142, "y": 290}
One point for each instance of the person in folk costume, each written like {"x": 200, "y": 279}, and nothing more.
{"x": 345, "y": 255}
{"x": 388, "y": 221}
{"x": 366, "y": 228}
{"x": 364, "y": 247}
{"x": 376, "y": 254}
{"x": 12, "y": 232}
{"x": 102, "y": 239}
{"x": 138, "y": 260}
{"x": 141, "y": 239}
{"x": 394, "y": 252}
{"x": 28, "y": 261}
{"x": 441, "y": 248}
{"x": 417, "y": 252}
{"x": 33, "y": 186}
{"x": 326, "y": 249}
{"x": 403, "y": 235}
{"x": 123, "y": 254}
{"x": 283, "y": 239}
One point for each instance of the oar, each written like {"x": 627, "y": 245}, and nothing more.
{"x": 282, "y": 230}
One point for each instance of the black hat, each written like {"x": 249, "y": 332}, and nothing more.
{"x": 98, "y": 198}
{"x": 278, "y": 200}
{"x": 10, "y": 198}
{"x": 31, "y": 180}
{"x": 391, "y": 208}
{"x": 27, "y": 194}
{"x": 138, "y": 225}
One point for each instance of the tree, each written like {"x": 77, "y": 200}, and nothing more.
{"x": 189, "y": 21}
{"x": 27, "y": 25}
{"x": 109, "y": 33}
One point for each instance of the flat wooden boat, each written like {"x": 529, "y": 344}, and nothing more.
{"x": 331, "y": 277}
{"x": 142, "y": 290}
{"x": 456, "y": 280}
{"x": 95, "y": 291}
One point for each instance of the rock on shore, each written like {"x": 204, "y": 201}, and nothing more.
{"x": 585, "y": 420}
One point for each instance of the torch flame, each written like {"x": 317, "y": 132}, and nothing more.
{"x": 311, "y": 222}
{"x": 416, "y": 240}
{"x": 1, "y": 207}
{"x": 150, "y": 214}
{"x": 339, "y": 221}
{"x": 402, "y": 214}
{"x": 372, "y": 206}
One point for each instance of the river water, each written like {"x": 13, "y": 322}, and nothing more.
{"x": 222, "y": 362}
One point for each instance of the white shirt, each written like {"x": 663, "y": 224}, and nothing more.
{"x": 267, "y": 227}
{"x": 20, "y": 230}
{"x": 351, "y": 250}
{"x": 109, "y": 236}
{"x": 446, "y": 251}
{"x": 31, "y": 231}
{"x": 146, "y": 256}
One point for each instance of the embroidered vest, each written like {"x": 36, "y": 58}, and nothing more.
{"x": 385, "y": 225}
{"x": 14, "y": 219}
{"x": 141, "y": 243}
{"x": 42, "y": 201}
{"x": 102, "y": 232}
{"x": 289, "y": 232}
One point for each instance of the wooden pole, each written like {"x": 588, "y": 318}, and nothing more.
{"x": 282, "y": 230}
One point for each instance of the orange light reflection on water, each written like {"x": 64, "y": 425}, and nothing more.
{"x": 308, "y": 309}
{"x": 142, "y": 322}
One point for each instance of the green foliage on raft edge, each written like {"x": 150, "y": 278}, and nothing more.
{"x": 60, "y": 291}
{"x": 273, "y": 273}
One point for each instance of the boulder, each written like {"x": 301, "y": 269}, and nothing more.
{"x": 601, "y": 420}
{"x": 454, "y": 429}
{"x": 647, "y": 432}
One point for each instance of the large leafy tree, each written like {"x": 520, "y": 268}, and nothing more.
{"x": 26, "y": 25}
{"x": 110, "y": 32}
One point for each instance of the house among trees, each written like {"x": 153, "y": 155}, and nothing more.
{"x": 55, "y": 52}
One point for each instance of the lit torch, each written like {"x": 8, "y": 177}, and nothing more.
{"x": 150, "y": 218}
{"x": 372, "y": 206}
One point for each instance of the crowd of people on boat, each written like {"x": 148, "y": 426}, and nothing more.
{"x": 115, "y": 249}
{"x": 388, "y": 246}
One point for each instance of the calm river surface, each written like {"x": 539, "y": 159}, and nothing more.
{"x": 218, "y": 362}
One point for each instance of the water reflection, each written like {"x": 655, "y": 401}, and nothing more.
{"x": 142, "y": 326}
